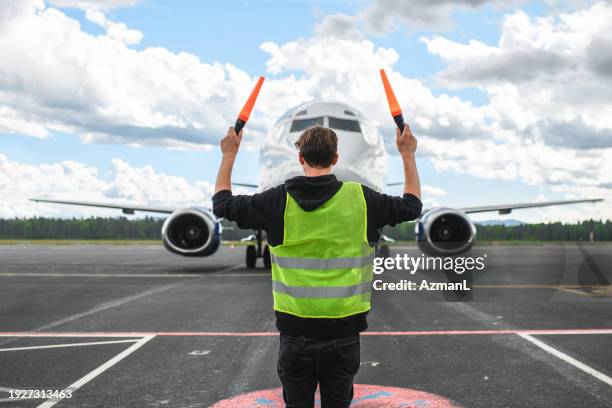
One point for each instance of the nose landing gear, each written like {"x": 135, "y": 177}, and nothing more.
{"x": 258, "y": 250}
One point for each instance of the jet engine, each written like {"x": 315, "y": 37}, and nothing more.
{"x": 445, "y": 231}
{"x": 191, "y": 232}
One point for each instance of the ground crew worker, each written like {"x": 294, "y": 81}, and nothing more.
{"x": 321, "y": 232}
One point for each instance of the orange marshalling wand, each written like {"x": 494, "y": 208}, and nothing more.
{"x": 396, "y": 111}
{"x": 248, "y": 106}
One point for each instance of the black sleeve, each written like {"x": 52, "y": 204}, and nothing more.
{"x": 384, "y": 209}
{"x": 261, "y": 211}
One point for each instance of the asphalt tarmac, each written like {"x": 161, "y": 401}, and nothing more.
{"x": 134, "y": 326}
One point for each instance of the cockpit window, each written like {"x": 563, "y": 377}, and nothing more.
{"x": 303, "y": 124}
{"x": 344, "y": 124}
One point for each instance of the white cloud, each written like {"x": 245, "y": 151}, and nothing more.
{"x": 339, "y": 25}
{"x": 347, "y": 70}
{"x": 433, "y": 190}
{"x": 117, "y": 31}
{"x": 105, "y": 91}
{"x": 548, "y": 77}
{"x": 430, "y": 194}
{"x": 548, "y": 106}
{"x": 61, "y": 78}
{"x": 381, "y": 16}
{"x": 77, "y": 181}
{"x": 571, "y": 173}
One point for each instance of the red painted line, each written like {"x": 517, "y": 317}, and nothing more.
{"x": 273, "y": 334}
{"x": 486, "y": 332}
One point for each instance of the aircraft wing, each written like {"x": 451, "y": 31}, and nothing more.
{"x": 507, "y": 208}
{"x": 126, "y": 208}
{"x": 246, "y": 185}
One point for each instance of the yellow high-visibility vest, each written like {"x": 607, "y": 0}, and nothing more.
{"x": 323, "y": 268}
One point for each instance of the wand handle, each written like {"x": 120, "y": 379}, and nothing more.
{"x": 239, "y": 125}
{"x": 399, "y": 121}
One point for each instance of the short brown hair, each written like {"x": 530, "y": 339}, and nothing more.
{"x": 318, "y": 145}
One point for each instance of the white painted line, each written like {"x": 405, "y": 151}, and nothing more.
{"x": 74, "y": 334}
{"x": 597, "y": 374}
{"x": 93, "y": 374}
{"x": 99, "y": 275}
{"x": 220, "y": 273}
{"x": 107, "y": 305}
{"x": 48, "y": 346}
{"x": 200, "y": 352}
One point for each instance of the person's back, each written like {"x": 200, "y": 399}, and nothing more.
{"x": 321, "y": 234}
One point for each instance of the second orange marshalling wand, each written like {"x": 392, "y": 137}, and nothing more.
{"x": 396, "y": 111}
{"x": 248, "y": 106}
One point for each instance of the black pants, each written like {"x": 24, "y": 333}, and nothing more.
{"x": 304, "y": 362}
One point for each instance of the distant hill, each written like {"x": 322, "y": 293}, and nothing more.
{"x": 506, "y": 223}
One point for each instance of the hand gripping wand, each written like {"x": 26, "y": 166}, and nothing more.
{"x": 396, "y": 111}
{"x": 243, "y": 117}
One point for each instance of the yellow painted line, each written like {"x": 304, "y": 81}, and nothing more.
{"x": 596, "y": 291}
{"x": 575, "y": 292}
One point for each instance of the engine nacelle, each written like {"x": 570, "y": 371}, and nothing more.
{"x": 192, "y": 232}
{"x": 445, "y": 231}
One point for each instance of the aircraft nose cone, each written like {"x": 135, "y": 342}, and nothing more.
{"x": 351, "y": 146}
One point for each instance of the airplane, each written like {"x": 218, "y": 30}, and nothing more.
{"x": 196, "y": 232}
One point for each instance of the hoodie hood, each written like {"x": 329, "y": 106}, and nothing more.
{"x": 311, "y": 192}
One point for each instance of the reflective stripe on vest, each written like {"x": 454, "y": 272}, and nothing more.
{"x": 324, "y": 291}
{"x": 313, "y": 263}
{"x": 323, "y": 268}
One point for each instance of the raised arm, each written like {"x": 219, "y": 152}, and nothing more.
{"x": 229, "y": 147}
{"x": 407, "y": 144}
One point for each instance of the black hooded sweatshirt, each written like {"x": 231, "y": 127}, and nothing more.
{"x": 265, "y": 211}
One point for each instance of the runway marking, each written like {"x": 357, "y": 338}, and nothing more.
{"x": 575, "y": 292}
{"x": 48, "y": 346}
{"x": 274, "y": 333}
{"x": 112, "y": 304}
{"x": 365, "y": 395}
{"x": 581, "y": 366}
{"x": 596, "y": 291}
{"x": 107, "y": 305}
{"x": 199, "y": 353}
{"x": 216, "y": 274}
{"x": 96, "y": 372}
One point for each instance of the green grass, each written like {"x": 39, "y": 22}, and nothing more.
{"x": 242, "y": 244}
{"x": 506, "y": 242}
{"x": 78, "y": 242}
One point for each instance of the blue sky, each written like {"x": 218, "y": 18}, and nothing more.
{"x": 231, "y": 32}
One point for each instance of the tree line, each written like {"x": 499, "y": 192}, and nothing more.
{"x": 554, "y": 231}
{"x": 149, "y": 228}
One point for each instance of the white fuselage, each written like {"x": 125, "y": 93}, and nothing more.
{"x": 362, "y": 155}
